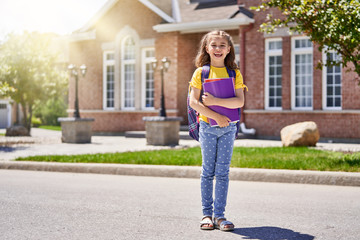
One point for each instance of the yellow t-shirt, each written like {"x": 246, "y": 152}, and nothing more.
{"x": 215, "y": 73}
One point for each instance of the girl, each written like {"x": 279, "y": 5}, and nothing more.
{"x": 216, "y": 49}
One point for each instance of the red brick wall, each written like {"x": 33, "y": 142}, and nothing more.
{"x": 337, "y": 124}
{"x": 331, "y": 125}
{"x": 350, "y": 89}
{"x": 181, "y": 49}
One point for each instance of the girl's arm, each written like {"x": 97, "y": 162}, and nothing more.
{"x": 221, "y": 120}
{"x": 234, "y": 102}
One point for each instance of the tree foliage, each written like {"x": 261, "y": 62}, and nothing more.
{"x": 332, "y": 24}
{"x": 30, "y": 71}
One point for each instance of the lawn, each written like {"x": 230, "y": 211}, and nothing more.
{"x": 55, "y": 128}
{"x": 295, "y": 158}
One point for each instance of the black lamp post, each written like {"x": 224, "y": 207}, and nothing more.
{"x": 74, "y": 72}
{"x": 165, "y": 64}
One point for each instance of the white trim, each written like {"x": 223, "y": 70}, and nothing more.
{"x": 108, "y": 46}
{"x": 157, "y": 10}
{"x": 105, "y": 64}
{"x": 123, "y": 33}
{"x": 144, "y": 61}
{"x": 226, "y": 24}
{"x": 108, "y": 5}
{"x": 122, "y": 111}
{"x": 324, "y": 83}
{"x": 260, "y": 111}
{"x": 123, "y": 63}
{"x": 150, "y": 42}
{"x": 269, "y": 53}
{"x": 176, "y": 10}
{"x": 295, "y": 51}
{"x": 82, "y": 36}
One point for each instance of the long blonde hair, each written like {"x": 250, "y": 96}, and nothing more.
{"x": 203, "y": 57}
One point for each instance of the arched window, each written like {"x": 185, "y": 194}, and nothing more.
{"x": 128, "y": 73}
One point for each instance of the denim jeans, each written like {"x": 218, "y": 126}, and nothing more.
{"x": 216, "y": 148}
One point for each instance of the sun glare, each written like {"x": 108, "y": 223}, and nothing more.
{"x": 59, "y": 16}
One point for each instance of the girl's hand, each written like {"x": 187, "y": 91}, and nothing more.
{"x": 222, "y": 121}
{"x": 208, "y": 99}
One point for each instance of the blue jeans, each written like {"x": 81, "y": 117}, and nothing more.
{"x": 216, "y": 148}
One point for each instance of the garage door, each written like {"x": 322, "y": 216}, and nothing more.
{"x": 3, "y": 115}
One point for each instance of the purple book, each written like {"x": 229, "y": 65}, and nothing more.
{"x": 222, "y": 88}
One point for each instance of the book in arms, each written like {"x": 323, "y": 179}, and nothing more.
{"x": 222, "y": 88}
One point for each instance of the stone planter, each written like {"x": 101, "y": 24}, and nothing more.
{"x": 76, "y": 130}
{"x": 162, "y": 131}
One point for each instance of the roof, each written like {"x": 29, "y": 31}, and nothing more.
{"x": 184, "y": 15}
{"x": 198, "y": 16}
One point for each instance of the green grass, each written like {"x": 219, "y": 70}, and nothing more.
{"x": 295, "y": 158}
{"x": 55, "y": 128}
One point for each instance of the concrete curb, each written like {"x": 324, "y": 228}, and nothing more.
{"x": 239, "y": 174}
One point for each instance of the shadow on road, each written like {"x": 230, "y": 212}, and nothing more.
{"x": 271, "y": 233}
{"x": 11, "y": 149}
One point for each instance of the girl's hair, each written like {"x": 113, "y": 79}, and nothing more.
{"x": 203, "y": 57}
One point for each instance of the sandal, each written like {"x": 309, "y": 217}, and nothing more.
{"x": 206, "y": 223}
{"x": 223, "y": 224}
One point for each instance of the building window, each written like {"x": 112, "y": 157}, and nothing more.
{"x": 148, "y": 54}
{"x": 273, "y": 74}
{"x": 237, "y": 54}
{"x": 128, "y": 73}
{"x": 108, "y": 80}
{"x": 302, "y": 74}
{"x": 332, "y": 83}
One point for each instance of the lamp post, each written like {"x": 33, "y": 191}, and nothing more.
{"x": 74, "y": 72}
{"x": 165, "y": 64}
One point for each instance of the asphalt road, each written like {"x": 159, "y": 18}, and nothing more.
{"x": 52, "y": 205}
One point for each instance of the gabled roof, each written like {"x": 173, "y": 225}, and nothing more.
{"x": 202, "y": 15}
{"x": 184, "y": 15}
{"x": 156, "y": 6}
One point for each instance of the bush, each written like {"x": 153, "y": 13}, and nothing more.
{"x": 51, "y": 111}
{"x": 35, "y": 122}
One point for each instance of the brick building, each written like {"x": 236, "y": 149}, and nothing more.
{"x": 121, "y": 87}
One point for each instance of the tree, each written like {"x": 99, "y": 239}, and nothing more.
{"x": 332, "y": 24}
{"x": 29, "y": 71}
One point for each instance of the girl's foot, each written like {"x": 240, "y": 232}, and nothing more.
{"x": 223, "y": 224}
{"x": 206, "y": 223}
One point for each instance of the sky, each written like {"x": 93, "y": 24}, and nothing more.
{"x": 57, "y": 16}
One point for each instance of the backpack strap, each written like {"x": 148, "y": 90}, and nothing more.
{"x": 231, "y": 73}
{"x": 205, "y": 71}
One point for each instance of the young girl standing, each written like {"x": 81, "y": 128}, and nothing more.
{"x": 217, "y": 49}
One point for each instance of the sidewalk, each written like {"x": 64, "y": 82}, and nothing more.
{"x": 47, "y": 142}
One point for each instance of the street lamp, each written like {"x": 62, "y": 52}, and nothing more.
{"x": 74, "y": 72}
{"x": 165, "y": 64}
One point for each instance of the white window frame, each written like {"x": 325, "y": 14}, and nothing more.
{"x": 294, "y": 52}
{"x": 237, "y": 54}
{"x": 123, "y": 63}
{"x": 270, "y": 53}
{"x": 324, "y": 84}
{"x": 107, "y": 63}
{"x": 146, "y": 60}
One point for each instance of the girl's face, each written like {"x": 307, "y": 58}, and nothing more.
{"x": 217, "y": 48}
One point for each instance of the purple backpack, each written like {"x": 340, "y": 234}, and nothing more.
{"x": 193, "y": 116}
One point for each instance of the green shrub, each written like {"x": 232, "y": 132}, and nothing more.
{"x": 35, "y": 122}
{"x": 51, "y": 111}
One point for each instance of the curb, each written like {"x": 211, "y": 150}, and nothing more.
{"x": 237, "y": 174}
